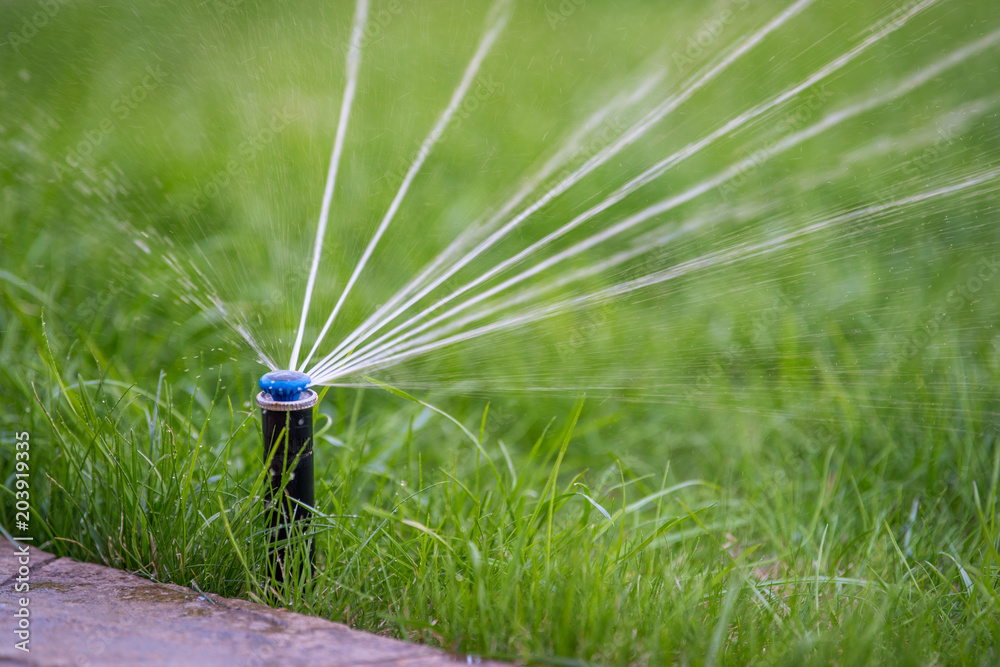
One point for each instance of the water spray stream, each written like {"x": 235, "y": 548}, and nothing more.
{"x": 353, "y": 64}
{"x": 498, "y": 21}
{"x": 427, "y": 343}
{"x": 879, "y": 33}
{"x": 389, "y": 311}
{"x": 373, "y": 350}
{"x": 636, "y": 132}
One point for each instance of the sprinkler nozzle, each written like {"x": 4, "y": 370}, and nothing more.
{"x": 286, "y": 404}
{"x": 285, "y": 386}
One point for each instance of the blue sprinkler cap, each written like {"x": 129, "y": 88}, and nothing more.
{"x": 285, "y": 386}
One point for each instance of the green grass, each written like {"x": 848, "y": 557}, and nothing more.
{"x": 798, "y": 465}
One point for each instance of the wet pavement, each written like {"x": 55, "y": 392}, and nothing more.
{"x": 84, "y": 614}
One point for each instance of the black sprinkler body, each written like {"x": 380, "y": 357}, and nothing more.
{"x": 286, "y": 404}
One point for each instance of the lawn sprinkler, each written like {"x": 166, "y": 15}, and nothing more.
{"x": 286, "y": 404}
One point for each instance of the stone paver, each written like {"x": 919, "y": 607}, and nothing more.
{"x": 86, "y": 614}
